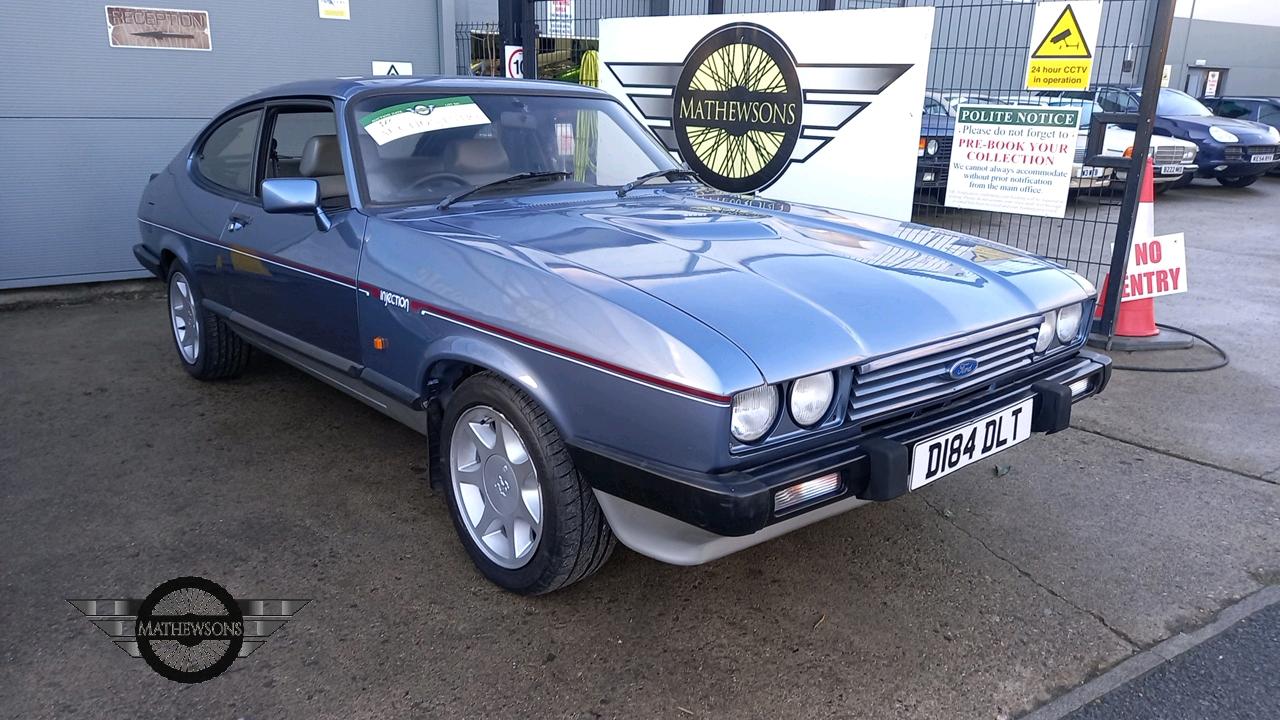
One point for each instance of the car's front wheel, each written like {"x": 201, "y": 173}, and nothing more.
{"x": 529, "y": 522}
{"x": 208, "y": 348}
{"x": 1238, "y": 182}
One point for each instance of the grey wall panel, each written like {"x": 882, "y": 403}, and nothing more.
{"x": 70, "y": 194}
{"x": 1250, "y": 52}
{"x": 85, "y": 123}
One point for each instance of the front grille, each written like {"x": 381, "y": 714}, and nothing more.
{"x": 1263, "y": 149}
{"x": 912, "y": 378}
{"x": 1080, "y": 152}
{"x": 1167, "y": 155}
{"x": 1233, "y": 153}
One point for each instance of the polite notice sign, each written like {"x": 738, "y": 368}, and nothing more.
{"x": 1063, "y": 37}
{"x": 1014, "y": 159}
{"x": 1157, "y": 266}
{"x": 158, "y": 28}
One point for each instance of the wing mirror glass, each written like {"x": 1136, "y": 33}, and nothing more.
{"x": 294, "y": 196}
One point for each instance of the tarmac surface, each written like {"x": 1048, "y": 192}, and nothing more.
{"x": 1230, "y": 677}
{"x": 981, "y": 596}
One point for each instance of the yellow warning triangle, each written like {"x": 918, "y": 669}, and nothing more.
{"x": 1064, "y": 40}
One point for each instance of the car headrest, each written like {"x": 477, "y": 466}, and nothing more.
{"x": 321, "y": 156}
{"x": 478, "y": 155}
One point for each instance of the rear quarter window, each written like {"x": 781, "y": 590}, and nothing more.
{"x": 226, "y": 156}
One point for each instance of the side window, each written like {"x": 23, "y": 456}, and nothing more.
{"x": 1231, "y": 109}
{"x": 1269, "y": 113}
{"x": 1107, "y": 99}
{"x": 289, "y": 135}
{"x": 226, "y": 157}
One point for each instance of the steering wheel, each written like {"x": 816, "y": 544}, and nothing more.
{"x": 430, "y": 180}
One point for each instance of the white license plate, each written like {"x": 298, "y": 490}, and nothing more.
{"x": 945, "y": 453}
{"x": 1264, "y": 158}
{"x": 1092, "y": 172}
{"x": 1170, "y": 169}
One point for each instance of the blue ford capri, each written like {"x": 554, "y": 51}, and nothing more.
{"x": 596, "y": 346}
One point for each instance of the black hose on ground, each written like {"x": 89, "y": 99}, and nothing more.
{"x": 1199, "y": 368}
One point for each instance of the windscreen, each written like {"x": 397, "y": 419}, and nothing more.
{"x": 421, "y": 148}
{"x": 1174, "y": 103}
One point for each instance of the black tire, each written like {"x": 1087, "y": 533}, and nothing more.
{"x": 1162, "y": 188}
{"x": 219, "y": 352}
{"x": 575, "y": 540}
{"x": 1238, "y": 182}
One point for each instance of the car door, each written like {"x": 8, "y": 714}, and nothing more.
{"x": 294, "y": 281}
{"x": 222, "y": 171}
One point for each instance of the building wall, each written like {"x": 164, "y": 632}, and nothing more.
{"x": 83, "y": 125}
{"x": 1250, "y": 52}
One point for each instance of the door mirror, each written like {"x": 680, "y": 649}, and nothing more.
{"x": 294, "y": 195}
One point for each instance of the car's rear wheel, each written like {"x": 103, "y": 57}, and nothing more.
{"x": 208, "y": 348}
{"x": 527, "y": 519}
{"x": 1238, "y": 182}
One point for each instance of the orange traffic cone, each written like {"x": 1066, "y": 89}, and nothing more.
{"x": 1136, "y": 319}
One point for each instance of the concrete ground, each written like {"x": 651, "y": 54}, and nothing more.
{"x": 981, "y": 596}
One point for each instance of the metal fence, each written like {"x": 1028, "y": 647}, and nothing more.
{"x": 979, "y": 50}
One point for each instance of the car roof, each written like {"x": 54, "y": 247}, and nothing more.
{"x": 348, "y": 87}
{"x": 1268, "y": 98}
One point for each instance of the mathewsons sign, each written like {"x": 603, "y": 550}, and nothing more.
{"x": 815, "y": 107}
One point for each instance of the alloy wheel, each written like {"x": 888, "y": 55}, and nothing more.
{"x": 495, "y": 484}
{"x": 182, "y": 311}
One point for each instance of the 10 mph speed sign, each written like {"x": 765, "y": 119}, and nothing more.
{"x": 514, "y": 61}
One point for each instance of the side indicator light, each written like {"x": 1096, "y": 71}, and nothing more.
{"x": 379, "y": 343}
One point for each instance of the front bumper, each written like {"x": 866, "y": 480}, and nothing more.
{"x": 1233, "y": 168}
{"x": 1160, "y": 177}
{"x": 687, "y": 517}
{"x": 931, "y": 172}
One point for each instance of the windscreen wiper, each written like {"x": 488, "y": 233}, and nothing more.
{"x": 517, "y": 178}
{"x": 670, "y": 173}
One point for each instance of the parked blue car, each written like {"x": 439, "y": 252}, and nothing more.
{"x": 1232, "y": 151}
{"x": 1259, "y": 109}
{"x": 595, "y": 345}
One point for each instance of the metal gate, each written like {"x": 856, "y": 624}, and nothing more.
{"x": 979, "y": 52}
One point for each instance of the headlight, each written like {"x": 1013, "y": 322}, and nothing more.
{"x": 753, "y": 412}
{"x": 1221, "y": 135}
{"x": 1189, "y": 155}
{"x": 1274, "y": 134}
{"x": 1045, "y": 336}
{"x": 811, "y": 398}
{"x": 1069, "y": 319}
{"x": 931, "y": 147}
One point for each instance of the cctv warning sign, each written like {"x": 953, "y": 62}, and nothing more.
{"x": 1157, "y": 266}
{"x": 1061, "y": 48}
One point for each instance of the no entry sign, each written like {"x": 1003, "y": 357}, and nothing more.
{"x": 1157, "y": 266}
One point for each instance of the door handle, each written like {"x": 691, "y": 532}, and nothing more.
{"x": 237, "y": 223}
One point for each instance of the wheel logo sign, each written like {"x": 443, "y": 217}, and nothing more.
{"x": 737, "y": 107}
{"x": 189, "y": 629}
{"x": 740, "y": 108}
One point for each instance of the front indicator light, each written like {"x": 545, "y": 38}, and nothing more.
{"x": 801, "y": 493}
{"x": 811, "y": 398}
{"x": 753, "y": 412}
{"x": 1069, "y": 319}
{"x": 1044, "y": 337}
